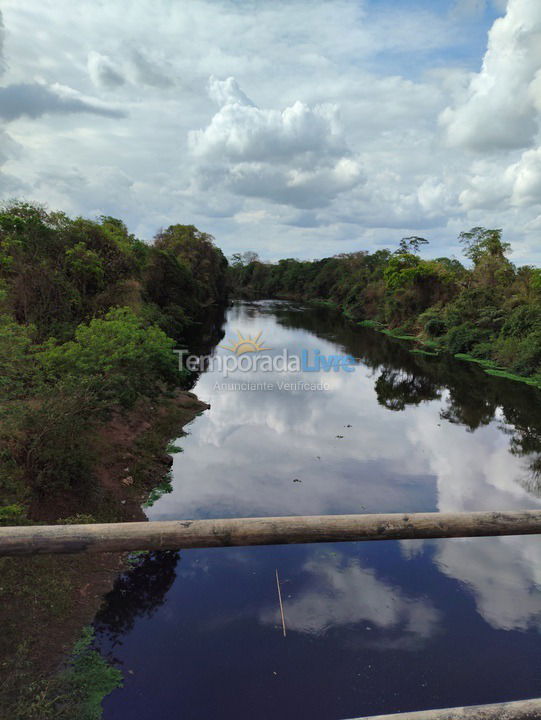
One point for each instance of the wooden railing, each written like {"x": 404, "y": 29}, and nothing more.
{"x": 184, "y": 534}
{"x": 519, "y": 710}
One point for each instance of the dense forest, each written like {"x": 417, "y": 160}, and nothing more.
{"x": 89, "y": 316}
{"x": 489, "y": 311}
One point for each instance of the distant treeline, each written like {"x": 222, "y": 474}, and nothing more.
{"x": 490, "y": 311}
{"x": 89, "y": 316}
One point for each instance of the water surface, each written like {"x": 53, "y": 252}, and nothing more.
{"x": 371, "y": 627}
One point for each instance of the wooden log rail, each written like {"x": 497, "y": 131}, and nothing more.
{"x": 519, "y": 710}
{"x": 183, "y": 534}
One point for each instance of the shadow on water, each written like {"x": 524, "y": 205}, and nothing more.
{"x": 137, "y": 593}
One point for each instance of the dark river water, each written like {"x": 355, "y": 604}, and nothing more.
{"x": 371, "y": 627}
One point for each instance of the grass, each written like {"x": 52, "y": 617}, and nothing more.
{"x": 497, "y": 371}
{"x": 398, "y": 335}
{"x": 369, "y": 323}
{"x": 479, "y": 361}
{"x": 420, "y": 351}
{"x": 162, "y": 488}
{"x": 322, "y": 303}
{"x": 431, "y": 348}
{"x": 42, "y": 604}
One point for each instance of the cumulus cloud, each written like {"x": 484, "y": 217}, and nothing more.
{"x": 241, "y": 131}
{"x": 525, "y": 176}
{"x": 500, "y": 108}
{"x": 35, "y": 99}
{"x": 296, "y": 156}
{"x": 302, "y": 188}
{"x": 503, "y": 575}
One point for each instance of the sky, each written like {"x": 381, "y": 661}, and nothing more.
{"x": 295, "y": 128}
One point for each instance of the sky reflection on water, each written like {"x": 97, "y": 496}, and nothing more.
{"x": 372, "y": 627}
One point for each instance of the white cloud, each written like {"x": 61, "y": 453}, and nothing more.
{"x": 322, "y": 119}
{"x": 500, "y": 108}
{"x": 240, "y": 131}
{"x": 526, "y": 179}
{"x": 296, "y": 156}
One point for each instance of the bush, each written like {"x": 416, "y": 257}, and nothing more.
{"x": 462, "y": 338}
{"x": 434, "y": 325}
{"x": 522, "y": 321}
{"x": 521, "y": 356}
{"x": 482, "y": 351}
{"x": 126, "y": 358}
{"x": 54, "y": 447}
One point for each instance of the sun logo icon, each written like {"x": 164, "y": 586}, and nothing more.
{"x": 246, "y": 344}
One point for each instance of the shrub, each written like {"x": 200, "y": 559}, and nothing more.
{"x": 433, "y": 324}
{"x": 521, "y": 356}
{"x": 522, "y": 320}
{"x": 482, "y": 351}
{"x": 54, "y": 448}
{"x": 125, "y": 356}
{"x": 462, "y": 338}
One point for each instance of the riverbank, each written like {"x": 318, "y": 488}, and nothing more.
{"x": 488, "y": 310}
{"x": 45, "y": 602}
{"x": 428, "y": 347}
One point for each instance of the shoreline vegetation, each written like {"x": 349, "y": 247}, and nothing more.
{"x": 90, "y": 399}
{"x": 89, "y": 318}
{"x": 488, "y": 312}
{"x": 432, "y": 349}
{"x": 51, "y": 669}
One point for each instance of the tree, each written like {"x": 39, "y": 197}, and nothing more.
{"x": 410, "y": 245}
{"x": 198, "y": 252}
{"x": 124, "y": 357}
{"x": 249, "y": 257}
{"x": 480, "y": 242}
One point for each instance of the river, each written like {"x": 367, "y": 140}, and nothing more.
{"x": 371, "y": 627}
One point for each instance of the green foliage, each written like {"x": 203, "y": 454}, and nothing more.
{"x": 123, "y": 356}
{"x": 88, "y": 679}
{"x": 433, "y": 323}
{"x": 410, "y": 244}
{"x": 163, "y": 488}
{"x": 491, "y": 312}
{"x": 480, "y": 242}
{"x": 196, "y": 251}
{"x": 14, "y": 514}
{"x": 401, "y": 270}
{"x": 17, "y": 363}
{"x": 89, "y": 317}
{"x": 522, "y": 356}
{"x": 461, "y": 338}
{"x": 522, "y": 320}
{"x": 53, "y": 446}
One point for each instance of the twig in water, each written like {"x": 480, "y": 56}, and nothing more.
{"x": 281, "y": 605}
